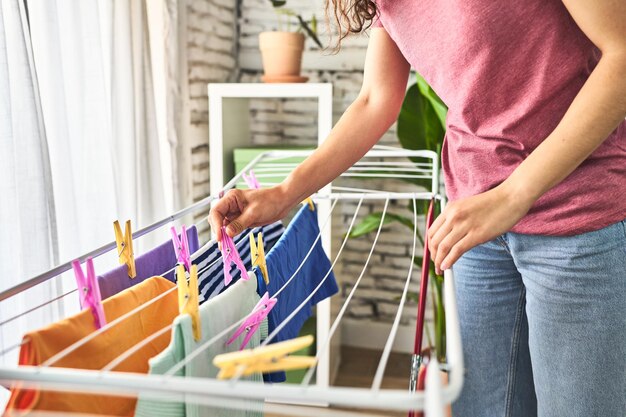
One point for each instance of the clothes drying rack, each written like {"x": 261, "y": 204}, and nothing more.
{"x": 382, "y": 163}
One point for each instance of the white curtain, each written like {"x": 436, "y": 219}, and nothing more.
{"x": 86, "y": 137}
{"x": 27, "y": 212}
{"x": 93, "y": 59}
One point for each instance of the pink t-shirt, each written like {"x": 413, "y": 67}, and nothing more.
{"x": 508, "y": 72}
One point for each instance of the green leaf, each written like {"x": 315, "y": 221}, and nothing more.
{"x": 419, "y": 126}
{"x": 412, "y": 296}
{"x": 371, "y": 222}
{"x": 309, "y": 31}
{"x": 368, "y": 224}
{"x": 314, "y": 24}
{"x": 403, "y": 220}
{"x": 440, "y": 320}
{"x": 278, "y": 3}
{"x": 438, "y": 105}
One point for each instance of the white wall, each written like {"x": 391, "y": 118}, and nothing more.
{"x": 211, "y": 45}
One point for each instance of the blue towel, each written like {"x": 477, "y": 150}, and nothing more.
{"x": 211, "y": 273}
{"x": 282, "y": 261}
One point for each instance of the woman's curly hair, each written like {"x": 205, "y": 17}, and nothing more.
{"x": 351, "y": 16}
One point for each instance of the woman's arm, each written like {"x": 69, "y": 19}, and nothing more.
{"x": 360, "y": 127}
{"x": 597, "y": 110}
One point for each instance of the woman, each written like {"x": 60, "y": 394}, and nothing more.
{"x": 535, "y": 169}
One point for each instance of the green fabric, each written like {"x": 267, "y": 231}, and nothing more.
{"x": 216, "y": 315}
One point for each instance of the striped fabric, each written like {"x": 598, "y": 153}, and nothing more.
{"x": 210, "y": 265}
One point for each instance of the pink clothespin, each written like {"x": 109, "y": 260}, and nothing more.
{"x": 181, "y": 247}
{"x": 230, "y": 254}
{"x": 254, "y": 320}
{"x": 251, "y": 180}
{"x": 89, "y": 291}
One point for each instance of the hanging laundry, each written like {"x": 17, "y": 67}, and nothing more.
{"x": 208, "y": 259}
{"x": 215, "y": 316}
{"x": 41, "y": 345}
{"x": 283, "y": 260}
{"x": 159, "y": 261}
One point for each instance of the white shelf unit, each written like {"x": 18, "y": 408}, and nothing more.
{"x": 220, "y": 156}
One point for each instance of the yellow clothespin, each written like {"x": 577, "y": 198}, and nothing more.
{"x": 258, "y": 256}
{"x": 309, "y": 201}
{"x": 125, "y": 247}
{"x": 265, "y": 359}
{"x": 188, "y": 302}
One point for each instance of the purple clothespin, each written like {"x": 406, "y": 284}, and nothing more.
{"x": 181, "y": 247}
{"x": 251, "y": 180}
{"x": 254, "y": 320}
{"x": 230, "y": 254}
{"x": 89, "y": 291}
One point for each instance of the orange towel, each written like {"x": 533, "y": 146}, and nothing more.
{"x": 43, "y": 344}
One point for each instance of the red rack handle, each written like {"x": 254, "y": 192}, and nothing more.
{"x": 421, "y": 306}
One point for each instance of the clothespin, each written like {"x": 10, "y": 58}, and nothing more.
{"x": 309, "y": 201}
{"x": 230, "y": 254}
{"x": 89, "y": 291}
{"x": 188, "y": 297}
{"x": 125, "y": 247}
{"x": 258, "y": 256}
{"x": 181, "y": 246}
{"x": 254, "y": 319}
{"x": 265, "y": 359}
{"x": 251, "y": 180}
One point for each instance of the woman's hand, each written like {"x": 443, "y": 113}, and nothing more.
{"x": 240, "y": 209}
{"x": 474, "y": 220}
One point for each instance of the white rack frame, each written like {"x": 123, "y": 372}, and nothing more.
{"x": 323, "y": 92}
{"x": 203, "y": 390}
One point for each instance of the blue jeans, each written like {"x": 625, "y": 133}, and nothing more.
{"x": 543, "y": 325}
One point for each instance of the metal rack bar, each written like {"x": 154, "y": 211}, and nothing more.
{"x": 198, "y": 389}
{"x": 79, "y": 380}
{"x": 214, "y": 339}
{"x": 58, "y": 270}
{"x": 267, "y": 156}
{"x": 380, "y": 371}
{"x": 309, "y": 375}
{"x": 209, "y": 342}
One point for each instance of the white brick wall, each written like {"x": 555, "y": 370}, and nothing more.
{"x": 211, "y": 57}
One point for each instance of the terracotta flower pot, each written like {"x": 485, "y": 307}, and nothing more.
{"x": 281, "y": 53}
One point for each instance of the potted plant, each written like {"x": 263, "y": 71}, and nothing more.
{"x": 281, "y": 50}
